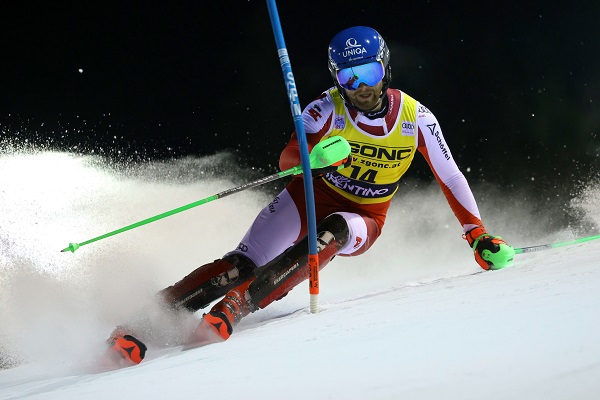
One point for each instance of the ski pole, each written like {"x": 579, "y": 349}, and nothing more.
{"x": 324, "y": 154}
{"x": 540, "y": 247}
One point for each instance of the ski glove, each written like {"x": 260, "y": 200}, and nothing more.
{"x": 346, "y": 162}
{"x": 491, "y": 252}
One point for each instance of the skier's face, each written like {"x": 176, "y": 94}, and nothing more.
{"x": 366, "y": 97}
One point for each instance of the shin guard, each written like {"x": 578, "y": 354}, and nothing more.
{"x": 208, "y": 282}
{"x": 279, "y": 276}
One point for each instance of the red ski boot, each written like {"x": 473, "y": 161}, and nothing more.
{"x": 217, "y": 325}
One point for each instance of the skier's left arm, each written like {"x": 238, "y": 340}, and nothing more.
{"x": 490, "y": 252}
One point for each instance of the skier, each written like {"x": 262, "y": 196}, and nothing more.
{"x": 384, "y": 127}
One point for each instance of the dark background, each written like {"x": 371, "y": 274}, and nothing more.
{"x": 513, "y": 84}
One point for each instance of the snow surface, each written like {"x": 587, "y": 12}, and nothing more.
{"x": 410, "y": 319}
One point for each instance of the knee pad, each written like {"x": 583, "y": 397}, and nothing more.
{"x": 242, "y": 268}
{"x": 334, "y": 226}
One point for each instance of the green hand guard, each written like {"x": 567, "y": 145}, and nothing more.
{"x": 501, "y": 258}
{"x": 329, "y": 152}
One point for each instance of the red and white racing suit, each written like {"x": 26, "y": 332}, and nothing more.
{"x": 383, "y": 147}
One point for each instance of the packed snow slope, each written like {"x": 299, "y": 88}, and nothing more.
{"x": 412, "y": 318}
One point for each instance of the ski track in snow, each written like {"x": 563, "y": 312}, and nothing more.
{"x": 523, "y": 332}
{"x": 416, "y": 325}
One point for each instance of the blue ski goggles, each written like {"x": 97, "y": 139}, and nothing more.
{"x": 370, "y": 74}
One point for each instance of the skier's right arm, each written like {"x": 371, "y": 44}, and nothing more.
{"x": 317, "y": 118}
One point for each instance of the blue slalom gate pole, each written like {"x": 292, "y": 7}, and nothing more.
{"x": 290, "y": 84}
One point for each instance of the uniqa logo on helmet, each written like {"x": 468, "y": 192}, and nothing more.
{"x": 353, "y": 48}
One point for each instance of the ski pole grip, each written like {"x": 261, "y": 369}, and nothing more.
{"x": 329, "y": 151}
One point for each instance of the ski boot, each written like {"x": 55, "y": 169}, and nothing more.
{"x": 217, "y": 325}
